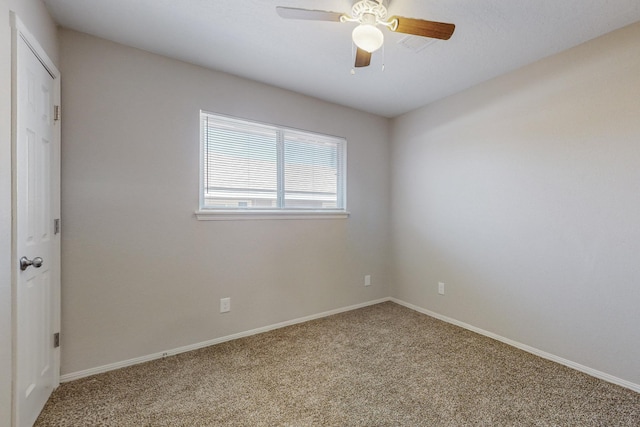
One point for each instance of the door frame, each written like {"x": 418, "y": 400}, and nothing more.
{"x": 20, "y": 31}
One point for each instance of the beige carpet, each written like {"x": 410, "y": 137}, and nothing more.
{"x": 383, "y": 365}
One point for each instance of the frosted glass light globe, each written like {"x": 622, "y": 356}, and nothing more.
{"x": 367, "y": 37}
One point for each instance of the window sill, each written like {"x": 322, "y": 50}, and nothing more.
{"x": 231, "y": 215}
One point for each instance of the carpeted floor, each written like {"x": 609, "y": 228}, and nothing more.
{"x": 383, "y": 365}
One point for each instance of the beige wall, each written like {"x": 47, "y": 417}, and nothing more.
{"x": 140, "y": 273}
{"x": 36, "y": 18}
{"x": 522, "y": 195}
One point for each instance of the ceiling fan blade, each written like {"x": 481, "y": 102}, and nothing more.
{"x": 363, "y": 58}
{"x": 314, "y": 15}
{"x": 420, "y": 27}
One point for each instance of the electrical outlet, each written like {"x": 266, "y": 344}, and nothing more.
{"x": 225, "y": 305}
{"x": 367, "y": 280}
{"x": 441, "y": 288}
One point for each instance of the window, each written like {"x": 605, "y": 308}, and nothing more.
{"x": 250, "y": 167}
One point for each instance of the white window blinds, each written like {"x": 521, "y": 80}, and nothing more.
{"x": 253, "y": 166}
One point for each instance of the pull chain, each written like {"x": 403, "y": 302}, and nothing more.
{"x": 353, "y": 58}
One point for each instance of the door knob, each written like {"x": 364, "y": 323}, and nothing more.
{"x": 26, "y": 262}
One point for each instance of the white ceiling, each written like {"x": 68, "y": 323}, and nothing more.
{"x": 247, "y": 38}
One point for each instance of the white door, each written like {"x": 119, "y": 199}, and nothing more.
{"x": 36, "y": 238}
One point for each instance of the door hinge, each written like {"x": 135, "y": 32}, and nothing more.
{"x": 56, "y": 340}
{"x": 56, "y": 226}
{"x": 56, "y": 113}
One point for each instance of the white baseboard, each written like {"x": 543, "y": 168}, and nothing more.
{"x": 112, "y": 366}
{"x": 585, "y": 369}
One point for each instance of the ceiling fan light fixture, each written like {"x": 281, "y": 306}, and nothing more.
{"x": 367, "y": 37}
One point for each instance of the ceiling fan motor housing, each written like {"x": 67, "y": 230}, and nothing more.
{"x": 364, "y": 8}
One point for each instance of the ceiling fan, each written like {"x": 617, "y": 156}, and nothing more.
{"x": 370, "y": 14}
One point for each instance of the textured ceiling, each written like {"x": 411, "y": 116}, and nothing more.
{"x": 247, "y": 38}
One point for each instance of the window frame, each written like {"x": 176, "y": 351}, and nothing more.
{"x": 208, "y": 214}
